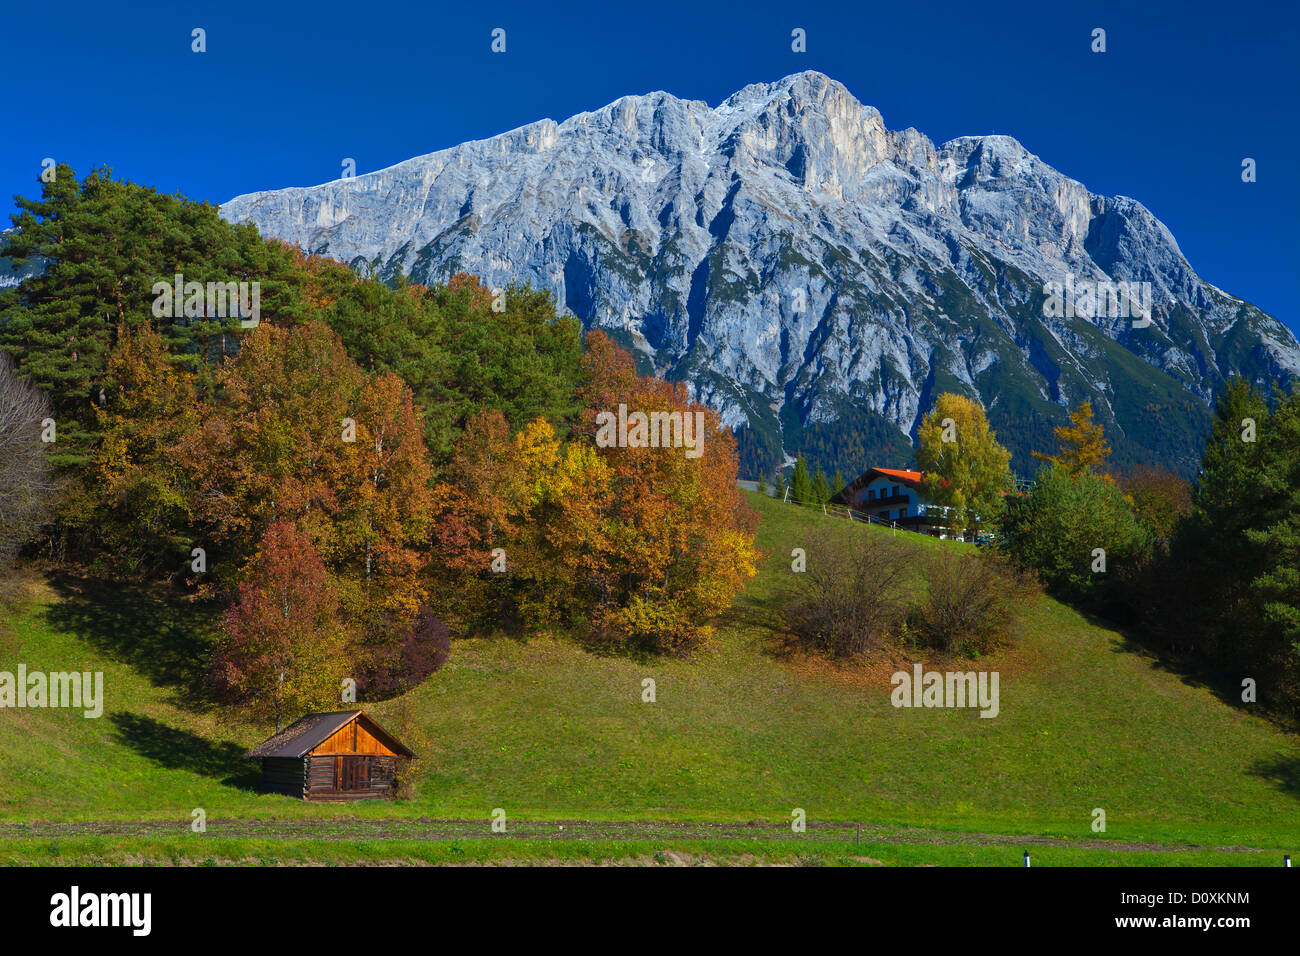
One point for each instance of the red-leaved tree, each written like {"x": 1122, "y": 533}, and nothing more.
{"x": 283, "y": 647}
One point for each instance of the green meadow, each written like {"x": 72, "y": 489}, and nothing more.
{"x": 741, "y": 733}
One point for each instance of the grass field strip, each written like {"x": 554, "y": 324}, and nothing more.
{"x": 585, "y": 830}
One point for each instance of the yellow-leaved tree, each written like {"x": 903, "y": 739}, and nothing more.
{"x": 146, "y": 408}
{"x": 632, "y": 542}
{"x": 1081, "y": 445}
{"x": 679, "y": 535}
{"x": 965, "y": 467}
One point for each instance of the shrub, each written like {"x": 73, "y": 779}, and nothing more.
{"x": 849, "y": 600}
{"x": 1160, "y": 499}
{"x": 403, "y": 719}
{"x": 1056, "y": 528}
{"x": 971, "y": 602}
{"x": 423, "y": 649}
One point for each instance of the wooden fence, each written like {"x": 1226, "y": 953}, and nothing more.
{"x": 840, "y": 511}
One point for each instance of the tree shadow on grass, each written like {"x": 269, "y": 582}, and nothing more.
{"x": 1191, "y": 670}
{"x": 754, "y": 611}
{"x": 181, "y": 750}
{"x": 760, "y": 620}
{"x": 1282, "y": 772}
{"x": 160, "y": 633}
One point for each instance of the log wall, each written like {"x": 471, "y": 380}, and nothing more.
{"x": 284, "y": 775}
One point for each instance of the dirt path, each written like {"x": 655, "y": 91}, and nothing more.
{"x": 590, "y": 830}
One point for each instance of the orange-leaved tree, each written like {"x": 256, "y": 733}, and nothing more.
{"x": 298, "y": 432}
{"x": 645, "y": 543}
{"x": 677, "y": 537}
{"x": 378, "y": 535}
{"x": 477, "y": 511}
{"x": 272, "y": 445}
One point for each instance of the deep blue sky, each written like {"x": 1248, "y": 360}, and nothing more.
{"x": 1184, "y": 92}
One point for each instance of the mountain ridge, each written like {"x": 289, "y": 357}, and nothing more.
{"x": 811, "y": 274}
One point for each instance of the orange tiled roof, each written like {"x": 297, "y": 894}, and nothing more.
{"x": 913, "y": 477}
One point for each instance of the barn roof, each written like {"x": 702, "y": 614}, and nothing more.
{"x": 308, "y": 732}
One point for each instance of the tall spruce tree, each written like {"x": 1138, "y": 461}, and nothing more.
{"x": 1216, "y": 559}
{"x": 820, "y": 489}
{"x": 1275, "y": 535}
{"x": 801, "y": 486}
{"x": 103, "y": 243}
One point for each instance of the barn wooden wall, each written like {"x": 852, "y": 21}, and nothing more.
{"x": 342, "y": 742}
{"x": 316, "y": 776}
{"x": 321, "y": 775}
{"x": 284, "y": 775}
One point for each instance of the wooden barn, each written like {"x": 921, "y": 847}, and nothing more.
{"x": 342, "y": 755}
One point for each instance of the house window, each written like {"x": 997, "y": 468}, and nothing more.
{"x": 871, "y": 494}
{"x": 902, "y": 513}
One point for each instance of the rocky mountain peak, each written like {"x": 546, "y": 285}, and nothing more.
{"x": 814, "y": 275}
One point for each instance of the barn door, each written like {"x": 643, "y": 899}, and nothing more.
{"x": 354, "y": 773}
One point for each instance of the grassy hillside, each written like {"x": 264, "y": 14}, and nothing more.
{"x": 552, "y": 732}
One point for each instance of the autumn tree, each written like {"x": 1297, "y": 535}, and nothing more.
{"x": 424, "y": 649}
{"x": 1081, "y": 445}
{"x": 965, "y": 467}
{"x": 680, "y": 536}
{"x": 1161, "y": 499}
{"x": 299, "y": 433}
{"x": 386, "y": 513}
{"x": 148, "y": 410}
{"x": 272, "y": 445}
{"x": 518, "y": 537}
{"x": 379, "y": 530}
{"x": 642, "y": 544}
{"x": 562, "y": 554}
{"x": 478, "y": 508}
{"x": 282, "y": 652}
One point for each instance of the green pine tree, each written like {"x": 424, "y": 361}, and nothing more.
{"x": 1275, "y": 536}
{"x": 104, "y": 243}
{"x": 820, "y": 489}
{"x": 1216, "y": 559}
{"x": 801, "y": 486}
